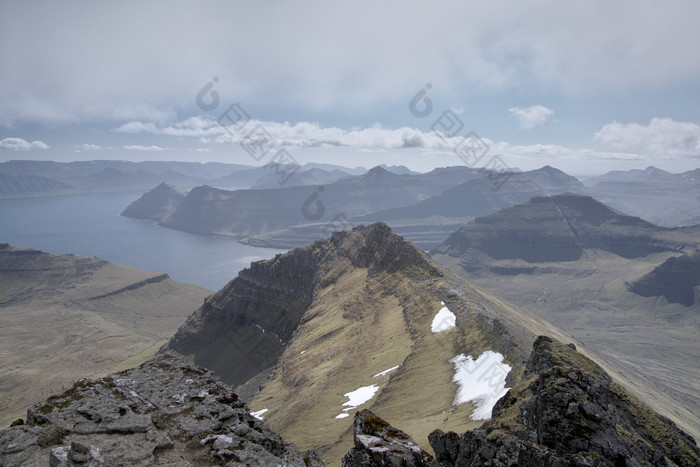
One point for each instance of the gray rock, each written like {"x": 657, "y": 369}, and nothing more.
{"x": 165, "y": 412}
{"x": 379, "y": 444}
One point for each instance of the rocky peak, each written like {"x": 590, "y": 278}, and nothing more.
{"x": 566, "y": 410}
{"x": 165, "y": 412}
{"x": 379, "y": 172}
{"x": 379, "y": 444}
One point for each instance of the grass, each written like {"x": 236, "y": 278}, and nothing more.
{"x": 51, "y": 333}
{"x": 649, "y": 344}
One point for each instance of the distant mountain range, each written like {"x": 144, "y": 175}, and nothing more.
{"x": 425, "y": 208}
{"x": 653, "y": 194}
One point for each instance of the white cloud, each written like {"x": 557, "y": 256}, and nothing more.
{"x": 144, "y": 148}
{"x": 91, "y": 147}
{"x": 531, "y": 117}
{"x": 661, "y": 137}
{"x": 300, "y": 134}
{"x": 19, "y": 144}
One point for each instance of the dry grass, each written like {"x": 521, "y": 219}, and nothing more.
{"x": 649, "y": 345}
{"x": 51, "y": 333}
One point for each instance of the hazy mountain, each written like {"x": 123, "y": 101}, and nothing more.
{"x": 157, "y": 203}
{"x": 363, "y": 311}
{"x": 429, "y": 222}
{"x": 109, "y": 176}
{"x": 25, "y": 186}
{"x": 619, "y": 284}
{"x": 398, "y": 169}
{"x": 62, "y": 170}
{"x": 653, "y": 194}
{"x": 300, "y": 178}
{"x": 67, "y": 316}
{"x": 248, "y": 213}
{"x": 332, "y": 167}
{"x": 560, "y": 228}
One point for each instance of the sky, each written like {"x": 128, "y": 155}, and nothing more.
{"x": 585, "y": 86}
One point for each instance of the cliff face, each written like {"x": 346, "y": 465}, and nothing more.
{"x": 165, "y": 412}
{"x": 675, "y": 279}
{"x": 564, "y": 411}
{"x": 157, "y": 204}
{"x": 560, "y": 228}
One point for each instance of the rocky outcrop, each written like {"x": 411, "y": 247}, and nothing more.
{"x": 567, "y": 411}
{"x": 379, "y": 444}
{"x": 157, "y": 204}
{"x": 165, "y": 412}
{"x": 675, "y": 279}
{"x": 560, "y": 228}
{"x": 564, "y": 411}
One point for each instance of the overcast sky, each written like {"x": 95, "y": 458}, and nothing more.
{"x": 585, "y": 86}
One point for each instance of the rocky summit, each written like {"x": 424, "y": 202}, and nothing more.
{"x": 564, "y": 411}
{"x": 165, "y": 412}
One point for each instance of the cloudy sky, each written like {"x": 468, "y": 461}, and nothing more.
{"x": 585, "y": 86}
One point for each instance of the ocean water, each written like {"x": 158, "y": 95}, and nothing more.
{"x": 90, "y": 225}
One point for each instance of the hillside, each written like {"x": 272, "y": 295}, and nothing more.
{"x": 365, "y": 313}
{"x": 156, "y": 204}
{"x": 64, "y": 316}
{"x": 619, "y": 284}
{"x": 29, "y": 186}
{"x": 564, "y": 410}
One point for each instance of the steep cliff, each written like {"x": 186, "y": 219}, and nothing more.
{"x": 676, "y": 279}
{"x": 560, "y": 228}
{"x": 157, "y": 204}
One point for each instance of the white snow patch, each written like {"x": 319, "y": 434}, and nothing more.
{"x": 360, "y": 396}
{"x": 259, "y": 414}
{"x": 382, "y": 373}
{"x": 482, "y": 381}
{"x": 342, "y": 415}
{"x": 302, "y": 352}
{"x": 444, "y": 320}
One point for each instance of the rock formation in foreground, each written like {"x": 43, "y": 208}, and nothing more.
{"x": 564, "y": 411}
{"x": 165, "y": 412}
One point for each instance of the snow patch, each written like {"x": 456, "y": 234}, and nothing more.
{"x": 342, "y": 415}
{"x": 382, "y": 373}
{"x": 360, "y": 396}
{"x": 444, "y": 320}
{"x": 481, "y": 381}
{"x": 259, "y": 414}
